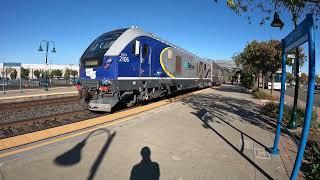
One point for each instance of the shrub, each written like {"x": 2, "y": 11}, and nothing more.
{"x": 263, "y": 95}
{"x": 247, "y": 80}
{"x": 312, "y": 167}
{"x": 272, "y": 110}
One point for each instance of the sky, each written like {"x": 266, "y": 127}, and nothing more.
{"x": 205, "y": 28}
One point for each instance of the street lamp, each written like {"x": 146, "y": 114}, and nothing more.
{"x": 47, "y": 43}
{"x": 276, "y": 22}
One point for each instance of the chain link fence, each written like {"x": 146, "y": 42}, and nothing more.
{"x": 35, "y": 83}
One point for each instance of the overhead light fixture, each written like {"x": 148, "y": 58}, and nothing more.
{"x": 276, "y": 22}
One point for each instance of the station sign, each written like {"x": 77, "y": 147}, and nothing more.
{"x": 11, "y": 64}
{"x": 298, "y": 36}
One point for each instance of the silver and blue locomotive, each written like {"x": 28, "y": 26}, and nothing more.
{"x": 130, "y": 65}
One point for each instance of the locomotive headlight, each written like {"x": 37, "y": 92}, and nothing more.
{"x": 109, "y": 61}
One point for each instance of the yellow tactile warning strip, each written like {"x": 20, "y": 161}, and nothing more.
{"x": 62, "y": 138}
{"x": 48, "y": 133}
{"x": 60, "y": 130}
{"x": 38, "y": 95}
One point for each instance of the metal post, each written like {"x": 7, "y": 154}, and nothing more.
{"x": 46, "y": 75}
{"x": 4, "y": 91}
{"x": 275, "y": 149}
{"x": 308, "y": 112}
{"x": 293, "y": 120}
{"x": 211, "y": 73}
{"x": 20, "y": 81}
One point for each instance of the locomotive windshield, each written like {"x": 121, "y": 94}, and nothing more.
{"x": 99, "y": 47}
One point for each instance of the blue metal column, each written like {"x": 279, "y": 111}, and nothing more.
{"x": 275, "y": 149}
{"x": 308, "y": 113}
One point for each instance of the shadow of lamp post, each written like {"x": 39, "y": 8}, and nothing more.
{"x": 47, "y": 43}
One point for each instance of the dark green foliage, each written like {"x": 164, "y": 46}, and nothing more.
{"x": 312, "y": 156}
{"x": 247, "y": 80}
{"x": 13, "y": 74}
{"x": 311, "y": 167}
{"x": 262, "y": 11}
{"x": 67, "y": 73}
{"x": 74, "y": 73}
{"x": 37, "y": 73}
{"x": 44, "y": 74}
{"x": 56, "y": 73}
{"x": 271, "y": 109}
{"x": 25, "y": 73}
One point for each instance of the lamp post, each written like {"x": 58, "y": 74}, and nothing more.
{"x": 276, "y": 22}
{"x": 47, "y": 43}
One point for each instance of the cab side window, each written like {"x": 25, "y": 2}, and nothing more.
{"x": 145, "y": 50}
{"x": 133, "y": 47}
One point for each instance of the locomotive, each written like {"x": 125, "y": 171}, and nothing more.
{"x": 130, "y": 65}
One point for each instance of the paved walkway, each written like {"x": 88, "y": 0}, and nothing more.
{"x": 214, "y": 134}
{"x": 36, "y": 94}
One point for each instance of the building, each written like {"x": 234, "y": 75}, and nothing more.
{"x": 228, "y": 65}
{"x": 40, "y": 67}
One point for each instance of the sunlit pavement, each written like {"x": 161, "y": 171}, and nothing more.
{"x": 302, "y": 98}
{"x": 215, "y": 134}
{"x": 303, "y": 91}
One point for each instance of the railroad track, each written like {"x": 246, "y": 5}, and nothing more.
{"x": 36, "y": 103}
{"x": 9, "y": 129}
{"x": 14, "y": 128}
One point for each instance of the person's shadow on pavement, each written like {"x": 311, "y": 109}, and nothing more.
{"x": 146, "y": 169}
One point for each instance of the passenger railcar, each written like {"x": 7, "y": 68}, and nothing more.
{"x": 130, "y": 65}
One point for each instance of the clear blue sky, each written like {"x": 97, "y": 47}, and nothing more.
{"x": 203, "y": 27}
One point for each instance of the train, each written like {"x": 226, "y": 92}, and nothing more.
{"x": 130, "y": 65}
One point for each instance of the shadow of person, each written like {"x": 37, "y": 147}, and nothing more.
{"x": 146, "y": 169}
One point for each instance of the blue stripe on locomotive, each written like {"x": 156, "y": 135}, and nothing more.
{"x": 127, "y": 64}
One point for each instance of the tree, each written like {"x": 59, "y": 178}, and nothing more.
{"x": 260, "y": 57}
{"x": 37, "y": 73}
{"x": 74, "y": 73}
{"x": 25, "y": 73}
{"x": 304, "y": 78}
{"x": 290, "y": 78}
{"x": 318, "y": 79}
{"x": 56, "y": 73}
{"x": 295, "y": 9}
{"x": 67, "y": 73}
{"x": 13, "y": 74}
{"x": 45, "y": 74}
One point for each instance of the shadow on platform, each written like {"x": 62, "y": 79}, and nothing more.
{"x": 235, "y": 88}
{"x": 73, "y": 156}
{"x": 202, "y": 115}
{"x": 146, "y": 169}
{"x": 222, "y": 106}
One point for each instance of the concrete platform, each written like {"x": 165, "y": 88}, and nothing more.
{"x": 37, "y": 94}
{"x": 214, "y": 134}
